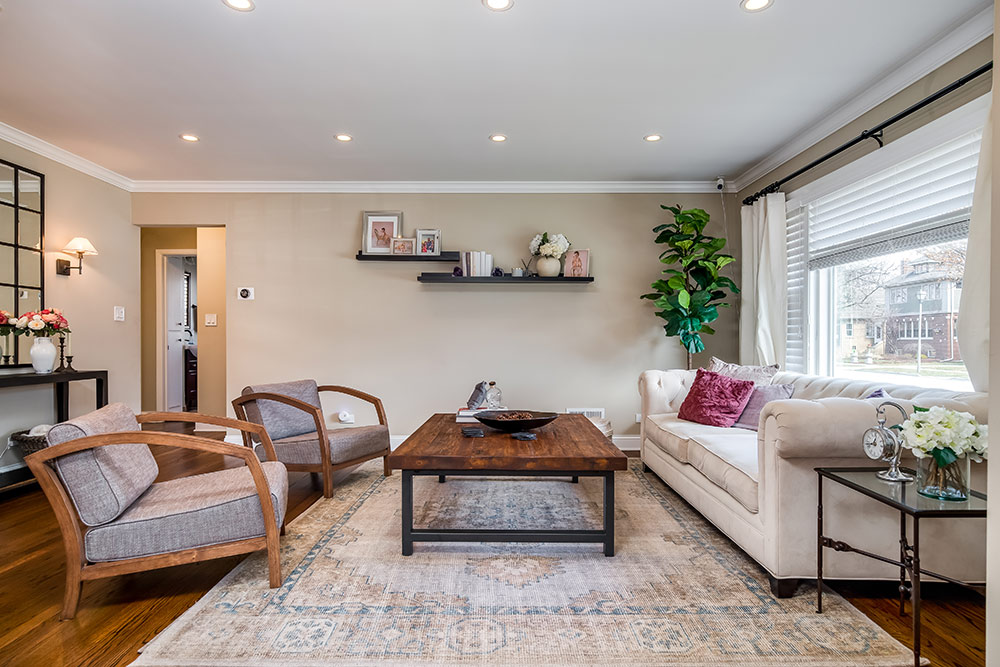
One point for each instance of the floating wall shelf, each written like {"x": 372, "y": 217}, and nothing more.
{"x": 449, "y": 256}
{"x": 506, "y": 278}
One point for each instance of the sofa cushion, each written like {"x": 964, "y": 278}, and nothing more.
{"x": 761, "y": 396}
{"x": 103, "y": 482}
{"x": 196, "y": 511}
{"x": 729, "y": 459}
{"x": 671, "y": 433}
{"x": 281, "y": 420}
{"x": 346, "y": 444}
{"x": 759, "y": 375}
{"x": 715, "y": 399}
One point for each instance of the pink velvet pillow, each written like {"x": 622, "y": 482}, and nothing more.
{"x": 716, "y": 400}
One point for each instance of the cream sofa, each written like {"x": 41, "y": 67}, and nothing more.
{"x": 760, "y": 488}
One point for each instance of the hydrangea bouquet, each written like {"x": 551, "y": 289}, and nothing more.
{"x": 549, "y": 245}
{"x": 941, "y": 439}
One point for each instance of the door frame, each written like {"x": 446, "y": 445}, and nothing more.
{"x": 161, "y": 318}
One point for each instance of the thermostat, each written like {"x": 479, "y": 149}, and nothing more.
{"x": 244, "y": 294}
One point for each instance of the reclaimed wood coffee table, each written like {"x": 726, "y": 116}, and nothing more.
{"x": 570, "y": 446}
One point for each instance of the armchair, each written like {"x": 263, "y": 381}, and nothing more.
{"x": 293, "y": 417}
{"x": 98, "y": 474}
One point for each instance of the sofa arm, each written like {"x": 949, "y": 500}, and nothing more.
{"x": 663, "y": 391}
{"x": 824, "y": 428}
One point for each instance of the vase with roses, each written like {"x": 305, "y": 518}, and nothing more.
{"x": 42, "y": 325}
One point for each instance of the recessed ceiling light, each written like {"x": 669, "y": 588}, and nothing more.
{"x": 652, "y": 137}
{"x": 344, "y": 137}
{"x": 190, "y": 137}
{"x": 239, "y": 5}
{"x": 498, "y": 138}
{"x": 498, "y": 5}
{"x": 755, "y": 5}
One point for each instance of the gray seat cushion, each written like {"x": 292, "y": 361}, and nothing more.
{"x": 104, "y": 481}
{"x": 280, "y": 420}
{"x": 196, "y": 511}
{"x": 346, "y": 444}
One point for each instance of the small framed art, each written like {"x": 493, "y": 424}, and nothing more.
{"x": 401, "y": 246}
{"x": 428, "y": 241}
{"x": 379, "y": 229}
{"x": 577, "y": 264}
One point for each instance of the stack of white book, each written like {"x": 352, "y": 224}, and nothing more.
{"x": 477, "y": 263}
{"x": 467, "y": 416}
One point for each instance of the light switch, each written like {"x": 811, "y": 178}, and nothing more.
{"x": 211, "y": 320}
{"x": 119, "y": 313}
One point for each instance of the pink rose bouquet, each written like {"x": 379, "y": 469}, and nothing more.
{"x": 47, "y": 322}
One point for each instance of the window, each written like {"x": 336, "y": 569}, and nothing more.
{"x": 885, "y": 247}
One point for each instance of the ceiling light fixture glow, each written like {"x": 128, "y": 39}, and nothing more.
{"x": 498, "y": 5}
{"x": 498, "y": 138}
{"x": 239, "y": 5}
{"x": 344, "y": 137}
{"x": 755, "y": 5}
{"x": 652, "y": 137}
{"x": 190, "y": 138}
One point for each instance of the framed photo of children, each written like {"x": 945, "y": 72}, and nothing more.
{"x": 428, "y": 241}
{"x": 577, "y": 264}
{"x": 401, "y": 246}
{"x": 379, "y": 228}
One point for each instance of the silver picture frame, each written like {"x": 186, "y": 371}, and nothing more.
{"x": 378, "y": 228}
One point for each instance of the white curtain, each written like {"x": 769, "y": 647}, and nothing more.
{"x": 974, "y": 310}
{"x": 763, "y": 293}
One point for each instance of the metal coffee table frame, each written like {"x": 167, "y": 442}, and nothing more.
{"x": 606, "y": 536}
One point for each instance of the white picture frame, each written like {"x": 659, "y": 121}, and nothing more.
{"x": 428, "y": 242}
{"x": 379, "y": 228}
{"x": 577, "y": 264}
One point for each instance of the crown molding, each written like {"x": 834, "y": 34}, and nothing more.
{"x": 956, "y": 42}
{"x": 72, "y": 160}
{"x": 436, "y": 187}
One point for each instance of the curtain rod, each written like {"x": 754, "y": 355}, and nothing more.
{"x": 874, "y": 133}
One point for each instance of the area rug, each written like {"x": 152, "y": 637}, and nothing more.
{"x": 677, "y": 592}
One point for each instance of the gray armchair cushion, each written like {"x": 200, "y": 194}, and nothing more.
{"x": 190, "y": 512}
{"x": 104, "y": 481}
{"x": 346, "y": 444}
{"x": 280, "y": 420}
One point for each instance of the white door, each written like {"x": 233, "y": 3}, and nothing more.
{"x": 175, "y": 335}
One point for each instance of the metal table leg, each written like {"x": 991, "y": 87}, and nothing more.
{"x": 819, "y": 546}
{"x": 609, "y": 514}
{"x": 407, "y": 512}
{"x": 915, "y": 590}
{"x": 903, "y": 588}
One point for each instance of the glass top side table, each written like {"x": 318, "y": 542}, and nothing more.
{"x": 905, "y": 499}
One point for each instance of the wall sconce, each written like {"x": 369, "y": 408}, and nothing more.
{"x": 79, "y": 246}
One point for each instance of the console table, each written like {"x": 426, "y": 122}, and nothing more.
{"x": 60, "y": 384}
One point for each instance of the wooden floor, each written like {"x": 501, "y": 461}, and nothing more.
{"x": 118, "y": 616}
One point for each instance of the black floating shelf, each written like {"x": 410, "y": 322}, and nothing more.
{"x": 450, "y": 256}
{"x": 506, "y": 278}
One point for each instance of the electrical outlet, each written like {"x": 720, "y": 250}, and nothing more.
{"x": 244, "y": 294}
{"x": 119, "y": 313}
{"x": 211, "y": 320}
{"x": 638, "y": 418}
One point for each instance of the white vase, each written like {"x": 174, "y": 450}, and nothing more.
{"x": 548, "y": 267}
{"x": 43, "y": 355}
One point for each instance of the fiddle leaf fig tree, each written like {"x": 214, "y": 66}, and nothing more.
{"x": 692, "y": 290}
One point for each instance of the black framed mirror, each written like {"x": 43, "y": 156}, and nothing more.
{"x": 22, "y": 254}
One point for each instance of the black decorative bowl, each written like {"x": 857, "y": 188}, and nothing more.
{"x": 494, "y": 419}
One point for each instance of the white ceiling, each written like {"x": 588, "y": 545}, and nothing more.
{"x": 575, "y": 84}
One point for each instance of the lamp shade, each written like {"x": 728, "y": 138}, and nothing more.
{"x": 80, "y": 246}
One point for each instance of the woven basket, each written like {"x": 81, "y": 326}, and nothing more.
{"x": 28, "y": 444}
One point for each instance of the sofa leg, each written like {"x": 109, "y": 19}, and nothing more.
{"x": 646, "y": 468}
{"x": 783, "y": 588}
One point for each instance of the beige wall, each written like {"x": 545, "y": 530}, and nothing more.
{"x": 212, "y": 394}
{"x": 153, "y": 239}
{"x": 79, "y": 205}
{"x": 320, "y": 313}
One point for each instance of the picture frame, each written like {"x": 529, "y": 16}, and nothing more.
{"x": 428, "y": 242}
{"x": 577, "y": 263}
{"x": 404, "y": 246}
{"x": 379, "y": 228}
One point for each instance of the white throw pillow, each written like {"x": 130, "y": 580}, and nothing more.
{"x": 761, "y": 375}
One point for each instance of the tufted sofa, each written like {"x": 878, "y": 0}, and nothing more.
{"x": 760, "y": 488}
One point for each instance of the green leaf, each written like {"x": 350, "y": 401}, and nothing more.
{"x": 684, "y": 298}
{"x": 700, "y": 298}
{"x": 676, "y": 282}
{"x": 706, "y": 329}
{"x": 917, "y": 408}
{"x": 943, "y": 456}
{"x": 724, "y": 260}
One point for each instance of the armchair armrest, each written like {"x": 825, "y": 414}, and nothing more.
{"x": 374, "y": 400}
{"x": 823, "y": 428}
{"x": 197, "y": 418}
{"x": 324, "y": 441}
{"x": 663, "y": 391}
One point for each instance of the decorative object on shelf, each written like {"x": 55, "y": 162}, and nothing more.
{"x": 79, "y": 246}
{"x": 689, "y": 297}
{"x": 548, "y": 249}
{"x": 380, "y": 228}
{"x": 577, "y": 264}
{"x": 428, "y": 241}
{"x": 478, "y": 396}
{"x": 7, "y": 322}
{"x": 42, "y": 325}
{"x": 514, "y": 421}
{"x": 31, "y": 441}
{"x": 457, "y": 272}
{"x": 494, "y": 397}
{"x": 477, "y": 264}
{"x": 62, "y": 353}
{"x": 517, "y": 272}
{"x": 401, "y": 246}
{"x": 882, "y": 444}
{"x": 69, "y": 364}
{"x": 944, "y": 442}
{"x": 497, "y": 272}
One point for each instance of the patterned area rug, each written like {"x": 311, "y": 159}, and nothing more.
{"x": 677, "y": 592}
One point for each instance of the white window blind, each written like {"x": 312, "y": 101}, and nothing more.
{"x": 798, "y": 238}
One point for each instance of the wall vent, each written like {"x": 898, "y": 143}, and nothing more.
{"x": 591, "y": 413}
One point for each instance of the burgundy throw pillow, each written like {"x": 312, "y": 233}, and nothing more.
{"x": 750, "y": 419}
{"x": 715, "y": 400}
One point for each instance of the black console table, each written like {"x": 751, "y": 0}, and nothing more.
{"x": 60, "y": 383}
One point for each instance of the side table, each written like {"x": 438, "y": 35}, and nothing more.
{"x": 902, "y": 497}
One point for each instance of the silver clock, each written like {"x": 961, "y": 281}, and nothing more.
{"x": 882, "y": 443}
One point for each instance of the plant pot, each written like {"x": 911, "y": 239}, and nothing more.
{"x": 43, "y": 355}
{"x": 950, "y": 482}
{"x": 548, "y": 267}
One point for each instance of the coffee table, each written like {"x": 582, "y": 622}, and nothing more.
{"x": 570, "y": 446}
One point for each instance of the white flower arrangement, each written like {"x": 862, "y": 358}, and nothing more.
{"x": 549, "y": 245}
{"x": 945, "y": 435}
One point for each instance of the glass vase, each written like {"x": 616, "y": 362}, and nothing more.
{"x": 950, "y": 482}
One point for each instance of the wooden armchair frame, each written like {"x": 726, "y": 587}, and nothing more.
{"x": 78, "y": 569}
{"x": 326, "y": 467}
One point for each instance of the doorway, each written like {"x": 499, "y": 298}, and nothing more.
{"x": 177, "y": 330}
